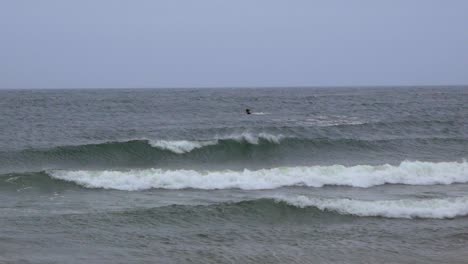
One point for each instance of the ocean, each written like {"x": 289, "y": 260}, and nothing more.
{"x": 313, "y": 175}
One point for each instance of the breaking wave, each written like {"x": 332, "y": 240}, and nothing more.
{"x": 185, "y": 146}
{"x": 406, "y": 208}
{"x": 410, "y": 173}
{"x": 181, "y": 146}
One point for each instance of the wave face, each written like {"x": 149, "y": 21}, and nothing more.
{"x": 313, "y": 209}
{"x": 236, "y": 151}
{"x": 409, "y": 173}
{"x": 405, "y": 208}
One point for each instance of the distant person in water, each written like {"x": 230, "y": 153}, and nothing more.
{"x": 247, "y": 111}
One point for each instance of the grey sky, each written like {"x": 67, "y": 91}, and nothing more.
{"x": 188, "y": 43}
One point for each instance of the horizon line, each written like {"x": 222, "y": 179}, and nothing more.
{"x": 245, "y": 87}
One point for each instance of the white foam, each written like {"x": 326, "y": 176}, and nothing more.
{"x": 181, "y": 146}
{"x": 406, "y": 208}
{"x": 411, "y": 173}
{"x": 185, "y": 146}
{"x": 255, "y": 138}
{"x": 325, "y": 121}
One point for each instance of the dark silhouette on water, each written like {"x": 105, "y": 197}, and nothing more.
{"x": 247, "y": 111}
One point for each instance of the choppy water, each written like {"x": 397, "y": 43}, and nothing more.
{"x": 336, "y": 175}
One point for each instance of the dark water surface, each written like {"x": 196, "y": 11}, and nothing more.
{"x": 336, "y": 175}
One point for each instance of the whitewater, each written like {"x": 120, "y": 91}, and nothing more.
{"x": 186, "y": 146}
{"x": 363, "y": 176}
{"x": 403, "y": 208}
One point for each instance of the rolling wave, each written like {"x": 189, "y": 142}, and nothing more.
{"x": 405, "y": 208}
{"x": 272, "y": 205}
{"x": 236, "y": 142}
{"x": 185, "y": 146}
{"x": 312, "y": 209}
{"x": 364, "y": 176}
{"x": 246, "y": 150}
{"x": 309, "y": 208}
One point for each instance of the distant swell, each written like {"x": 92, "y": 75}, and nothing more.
{"x": 406, "y": 208}
{"x": 410, "y": 173}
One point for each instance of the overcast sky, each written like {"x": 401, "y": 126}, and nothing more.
{"x": 216, "y": 43}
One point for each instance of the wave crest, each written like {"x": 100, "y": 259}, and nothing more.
{"x": 406, "y": 208}
{"x": 186, "y": 146}
{"x": 410, "y": 173}
{"x": 180, "y": 146}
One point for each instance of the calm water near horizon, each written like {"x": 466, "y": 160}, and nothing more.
{"x": 313, "y": 175}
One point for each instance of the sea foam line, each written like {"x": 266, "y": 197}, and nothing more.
{"x": 410, "y": 173}
{"x": 405, "y": 208}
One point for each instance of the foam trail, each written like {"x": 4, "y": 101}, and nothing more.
{"x": 410, "y": 173}
{"x": 406, "y": 208}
